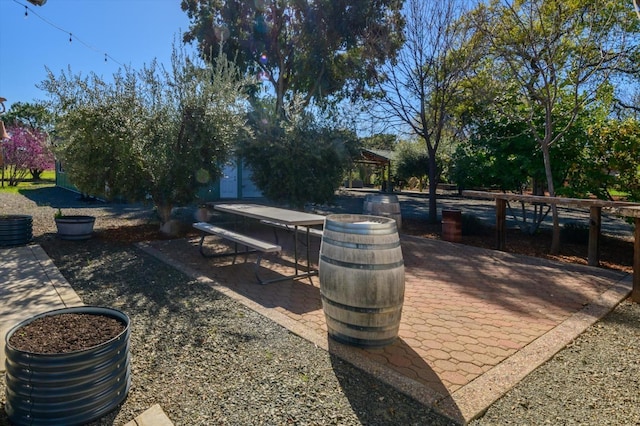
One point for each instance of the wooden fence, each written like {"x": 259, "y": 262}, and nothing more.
{"x": 595, "y": 217}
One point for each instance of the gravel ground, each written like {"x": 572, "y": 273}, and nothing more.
{"x": 207, "y": 359}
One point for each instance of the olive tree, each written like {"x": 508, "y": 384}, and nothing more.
{"x": 300, "y": 159}
{"x": 153, "y": 134}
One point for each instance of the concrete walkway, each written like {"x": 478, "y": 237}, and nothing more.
{"x": 31, "y": 284}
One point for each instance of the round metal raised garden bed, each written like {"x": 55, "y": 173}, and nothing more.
{"x": 15, "y": 230}
{"x": 71, "y": 388}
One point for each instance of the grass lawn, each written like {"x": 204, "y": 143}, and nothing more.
{"x": 47, "y": 178}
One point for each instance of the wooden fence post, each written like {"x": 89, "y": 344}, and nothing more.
{"x": 635, "y": 293}
{"x": 501, "y": 224}
{"x": 595, "y": 220}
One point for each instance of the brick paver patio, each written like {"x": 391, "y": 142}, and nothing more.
{"x": 474, "y": 321}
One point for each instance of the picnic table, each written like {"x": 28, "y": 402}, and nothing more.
{"x": 299, "y": 222}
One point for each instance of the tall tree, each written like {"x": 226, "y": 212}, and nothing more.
{"x": 314, "y": 48}
{"x": 609, "y": 161}
{"x": 298, "y": 160}
{"x": 554, "y": 49}
{"x": 28, "y": 150}
{"x": 37, "y": 121}
{"x": 422, "y": 85}
{"x": 33, "y": 115}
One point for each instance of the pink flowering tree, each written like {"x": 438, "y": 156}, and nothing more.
{"x": 26, "y": 152}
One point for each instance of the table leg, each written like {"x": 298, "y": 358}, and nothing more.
{"x": 308, "y": 250}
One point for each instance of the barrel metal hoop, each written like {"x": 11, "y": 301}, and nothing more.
{"x": 364, "y": 343}
{"x": 367, "y": 266}
{"x": 353, "y": 229}
{"x": 358, "y": 309}
{"x": 361, "y": 246}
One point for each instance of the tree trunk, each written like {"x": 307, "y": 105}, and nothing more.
{"x": 555, "y": 237}
{"x": 35, "y": 174}
{"x": 164, "y": 213}
{"x": 433, "y": 185}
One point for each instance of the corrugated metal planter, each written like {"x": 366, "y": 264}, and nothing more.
{"x": 75, "y": 227}
{"x": 15, "y": 229}
{"x": 72, "y": 388}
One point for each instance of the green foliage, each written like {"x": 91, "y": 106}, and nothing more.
{"x": 609, "y": 161}
{"x": 33, "y": 115}
{"x": 381, "y": 141}
{"x": 558, "y": 56}
{"x": 411, "y": 161}
{"x": 318, "y": 49}
{"x": 297, "y": 161}
{"x": 502, "y": 154}
{"x": 149, "y": 134}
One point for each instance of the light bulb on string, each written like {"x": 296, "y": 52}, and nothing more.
{"x": 42, "y": 2}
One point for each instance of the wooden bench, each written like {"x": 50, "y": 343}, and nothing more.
{"x": 314, "y": 232}
{"x": 238, "y": 239}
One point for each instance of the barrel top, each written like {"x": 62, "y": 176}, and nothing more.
{"x": 381, "y": 198}
{"x": 360, "y": 224}
{"x": 359, "y": 219}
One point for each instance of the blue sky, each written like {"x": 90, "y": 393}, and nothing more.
{"x": 131, "y": 32}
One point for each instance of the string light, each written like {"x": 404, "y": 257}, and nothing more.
{"x": 27, "y": 9}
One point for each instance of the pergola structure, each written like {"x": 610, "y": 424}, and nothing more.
{"x": 378, "y": 158}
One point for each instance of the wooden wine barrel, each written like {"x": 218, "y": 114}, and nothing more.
{"x": 361, "y": 273}
{"x": 386, "y": 205}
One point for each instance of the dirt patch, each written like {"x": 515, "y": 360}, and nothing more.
{"x": 64, "y": 333}
{"x": 615, "y": 253}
